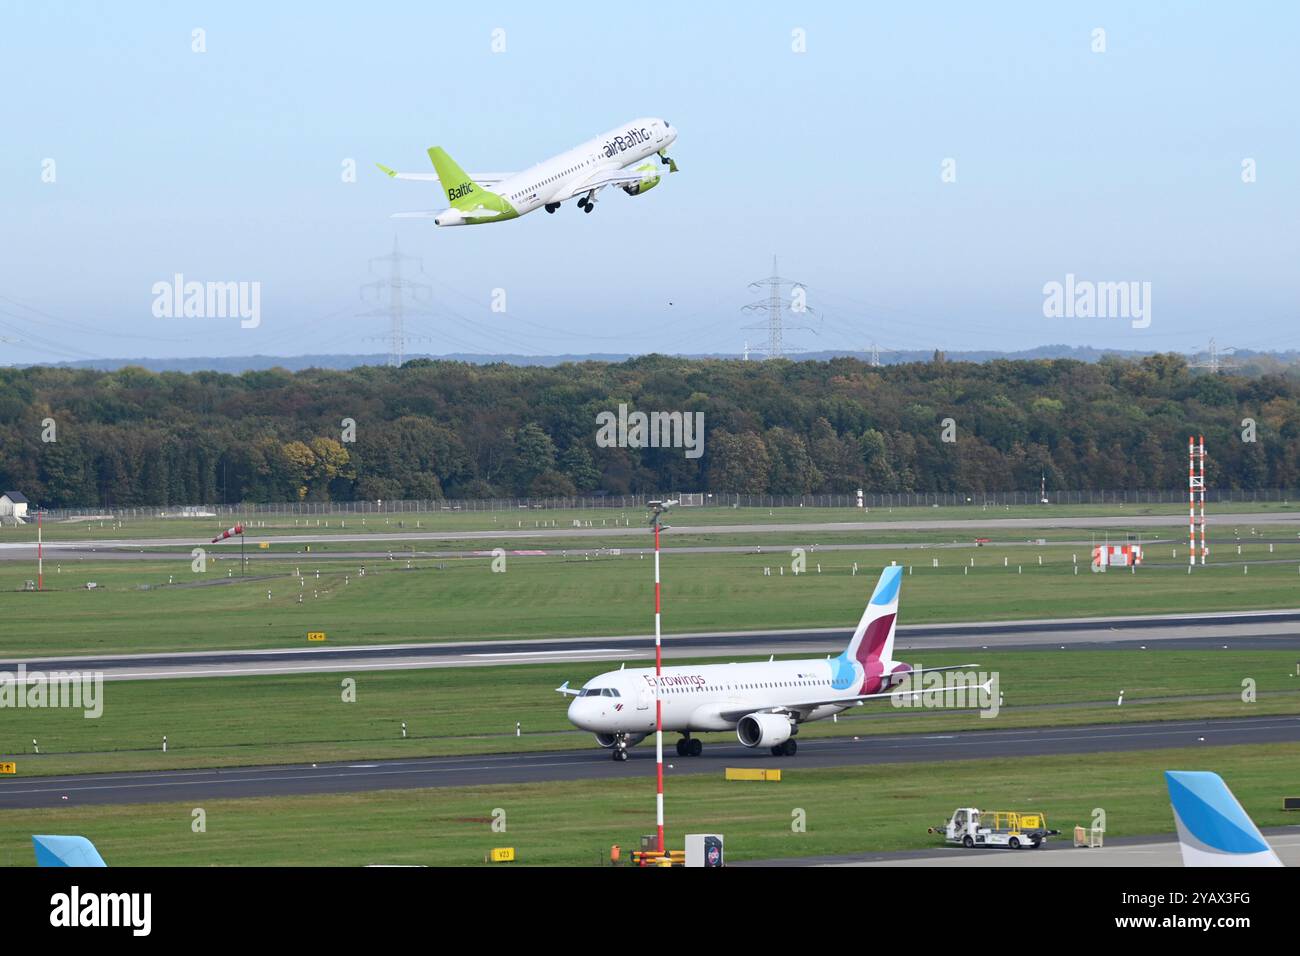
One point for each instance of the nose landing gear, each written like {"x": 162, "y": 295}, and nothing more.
{"x": 619, "y": 752}
{"x": 552, "y": 206}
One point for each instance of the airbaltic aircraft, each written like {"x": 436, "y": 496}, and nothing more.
{"x": 583, "y": 172}
{"x": 763, "y": 702}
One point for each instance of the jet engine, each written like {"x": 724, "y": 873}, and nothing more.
{"x": 646, "y": 184}
{"x": 608, "y": 740}
{"x": 763, "y": 730}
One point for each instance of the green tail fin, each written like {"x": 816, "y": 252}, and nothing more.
{"x": 459, "y": 187}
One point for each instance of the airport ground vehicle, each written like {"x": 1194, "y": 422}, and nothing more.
{"x": 1010, "y": 828}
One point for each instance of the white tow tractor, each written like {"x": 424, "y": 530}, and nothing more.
{"x": 1010, "y": 828}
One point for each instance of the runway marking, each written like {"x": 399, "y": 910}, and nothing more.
{"x": 585, "y": 650}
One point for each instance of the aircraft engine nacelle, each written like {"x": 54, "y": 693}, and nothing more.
{"x": 763, "y": 730}
{"x": 646, "y": 184}
{"x": 608, "y": 740}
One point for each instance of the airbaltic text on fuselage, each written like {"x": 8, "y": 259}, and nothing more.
{"x": 674, "y": 680}
{"x": 633, "y": 137}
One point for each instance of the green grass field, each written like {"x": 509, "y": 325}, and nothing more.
{"x": 574, "y": 823}
{"x": 202, "y": 529}
{"x": 228, "y": 721}
{"x": 134, "y": 609}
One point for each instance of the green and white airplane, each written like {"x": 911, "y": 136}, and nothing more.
{"x": 616, "y": 158}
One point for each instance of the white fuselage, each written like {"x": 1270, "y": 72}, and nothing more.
{"x": 555, "y": 179}
{"x": 694, "y": 698}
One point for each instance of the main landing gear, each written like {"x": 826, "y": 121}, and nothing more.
{"x": 552, "y": 206}
{"x": 688, "y": 746}
{"x": 787, "y": 749}
{"x": 588, "y": 202}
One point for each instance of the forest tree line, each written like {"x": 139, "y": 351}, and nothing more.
{"x": 435, "y": 429}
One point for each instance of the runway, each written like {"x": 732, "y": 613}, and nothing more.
{"x": 497, "y": 770}
{"x": 27, "y": 550}
{"x": 1247, "y": 630}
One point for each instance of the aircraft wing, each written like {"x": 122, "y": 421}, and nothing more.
{"x": 617, "y": 177}
{"x": 566, "y": 689}
{"x": 846, "y": 700}
{"x": 480, "y": 179}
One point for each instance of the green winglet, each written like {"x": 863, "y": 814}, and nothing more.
{"x": 672, "y": 163}
{"x": 386, "y": 171}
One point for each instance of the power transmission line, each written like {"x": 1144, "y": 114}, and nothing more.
{"x": 1212, "y": 360}
{"x": 775, "y": 307}
{"x": 395, "y": 309}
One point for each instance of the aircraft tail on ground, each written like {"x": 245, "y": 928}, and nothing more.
{"x": 873, "y": 640}
{"x": 66, "y": 851}
{"x": 1213, "y": 828}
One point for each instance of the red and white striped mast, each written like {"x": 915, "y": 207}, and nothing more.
{"x": 1205, "y": 549}
{"x": 1191, "y": 501}
{"x": 1195, "y": 485}
{"x": 657, "y": 509}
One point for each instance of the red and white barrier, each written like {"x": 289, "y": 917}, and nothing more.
{"x": 1118, "y": 555}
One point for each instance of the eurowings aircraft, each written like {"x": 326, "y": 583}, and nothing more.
{"x": 763, "y": 702}
{"x": 616, "y": 158}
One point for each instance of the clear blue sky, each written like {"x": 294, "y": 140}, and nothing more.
{"x": 226, "y": 166}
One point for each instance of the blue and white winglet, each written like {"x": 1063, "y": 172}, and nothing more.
{"x": 1213, "y": 828}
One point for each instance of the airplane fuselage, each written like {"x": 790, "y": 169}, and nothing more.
{"x": 554, "y": 179}
{"x": 695, "y": 698}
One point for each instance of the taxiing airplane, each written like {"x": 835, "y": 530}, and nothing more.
{"x": 581, "y": 172}
{"x": 763, "y": 702}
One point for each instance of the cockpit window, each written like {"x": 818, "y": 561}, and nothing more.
{"x": 599, "y": 692}
{"x": 609, "y": 692}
